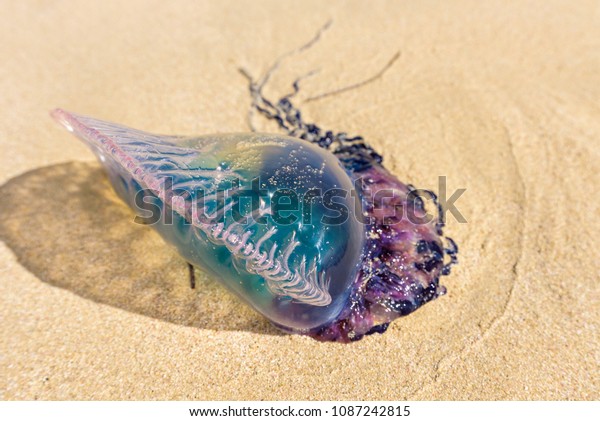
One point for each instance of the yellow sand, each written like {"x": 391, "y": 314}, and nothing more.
{"x": 501, "y": 97}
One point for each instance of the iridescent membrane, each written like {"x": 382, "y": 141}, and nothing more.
{"x": 312, "y": 270}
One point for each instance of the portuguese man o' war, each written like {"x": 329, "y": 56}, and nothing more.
{"x": 308, "y": 228}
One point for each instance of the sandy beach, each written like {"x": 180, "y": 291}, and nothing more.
{"x": 500, "y": 97}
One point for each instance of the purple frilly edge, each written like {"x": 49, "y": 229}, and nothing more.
{"x": 404, "y": 258}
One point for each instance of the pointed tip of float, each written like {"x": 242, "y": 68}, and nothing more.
{"x": 81, "y": 126}
{"x": 64, "y": 118}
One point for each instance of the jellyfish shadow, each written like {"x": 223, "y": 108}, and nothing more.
{"x": 67, "y": 227}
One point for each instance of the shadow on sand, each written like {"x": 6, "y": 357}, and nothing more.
{"x": 68, "y": 228}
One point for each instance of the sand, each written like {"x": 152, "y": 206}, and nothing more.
{"x": 500, "y": 97}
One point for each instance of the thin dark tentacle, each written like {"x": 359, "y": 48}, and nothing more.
{"x": 298, "y": 50}
{"x": 358, "y": 84}
{"x": 351, "y": 150}
{"x": 192, "y": 273}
